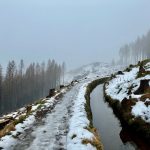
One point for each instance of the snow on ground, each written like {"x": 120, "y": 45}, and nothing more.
{"x": 117, "y": 87}
{"x": 141, "y": 110}
{"x": 91, "y": 70}
{"x": 8, "y": 142}
{"x": 78, "y": 123}
{"x": 54, "y": 127}
{"x": 51, "y": 132}
{"x": 68, "y": 116}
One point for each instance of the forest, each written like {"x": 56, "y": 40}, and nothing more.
{"x": 135, "y": 51}
{"x": 22, "y": 85}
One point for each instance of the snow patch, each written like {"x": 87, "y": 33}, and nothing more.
{"x": 78, "y": 123}
{"x": 8, "y": 142}
{"x": 141, "y": 110}
{"x": 117, "y": 87}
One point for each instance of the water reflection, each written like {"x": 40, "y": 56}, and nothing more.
{"x": 113, "y": 136}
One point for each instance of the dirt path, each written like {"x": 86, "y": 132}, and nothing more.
{"x": 50, "y": 132}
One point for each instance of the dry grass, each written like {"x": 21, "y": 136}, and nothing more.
{"x": 11, "y": 126}
{"x": 144, "y": 97}
{"x": 95, "y": 142}
{"x": 7, "y": 129}
{"x": 20, "y": 120}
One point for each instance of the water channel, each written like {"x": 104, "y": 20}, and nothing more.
{"x": 113, "y": 136}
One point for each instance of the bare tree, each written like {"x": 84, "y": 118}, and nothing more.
{"x": 22, "y": 86}
{"x": 135, "y": 51}
{"x": 63, "y": 72}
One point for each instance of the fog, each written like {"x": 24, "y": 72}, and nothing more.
{"x": 75, "y": 31}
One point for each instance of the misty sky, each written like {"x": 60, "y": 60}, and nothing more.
{"x": 75, "y": 31}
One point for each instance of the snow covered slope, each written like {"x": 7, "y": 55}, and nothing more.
{"x": 125, "y": 86}
{"x": 59, "y": 122}
{"x": 128, "y": 92}
{"x": 91, "y": 70}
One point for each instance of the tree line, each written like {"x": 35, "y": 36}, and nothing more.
{"x": 22, "y": 85}
{"x": 135, "y": 51}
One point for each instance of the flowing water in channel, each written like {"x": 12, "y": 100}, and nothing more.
{"x": 113, "y": 136}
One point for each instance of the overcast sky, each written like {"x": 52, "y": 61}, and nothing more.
{"x": 75, "y": 31}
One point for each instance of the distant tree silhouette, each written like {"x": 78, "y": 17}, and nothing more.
{"x": 135, "y": 51}
{"x": 22, "y": 86}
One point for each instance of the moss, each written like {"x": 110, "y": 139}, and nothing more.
{"x": 128, "y": 69}
{"x": 89, "y": 89}
{"x": 131, "y": 66}
{"x": 95, "y": 141}
{"x": 144, "y": 62}
{"x": 20, "y": 120}
{"x": 40, "y": 101}
{"x": 40, "y": 105}
{"x": 143, "y": 74}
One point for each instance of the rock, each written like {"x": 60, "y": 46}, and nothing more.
{"x": 144, "y": 85}
{"x": 120, "y": 73}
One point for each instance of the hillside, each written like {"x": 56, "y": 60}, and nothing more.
{"x": 91, "y": 70}
{"x": 63, "y": 119}
{"x": 128, "y": 93}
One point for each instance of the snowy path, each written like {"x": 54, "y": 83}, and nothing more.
{"x": 50, "y": 133}
{"x": 63, "y": 126}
